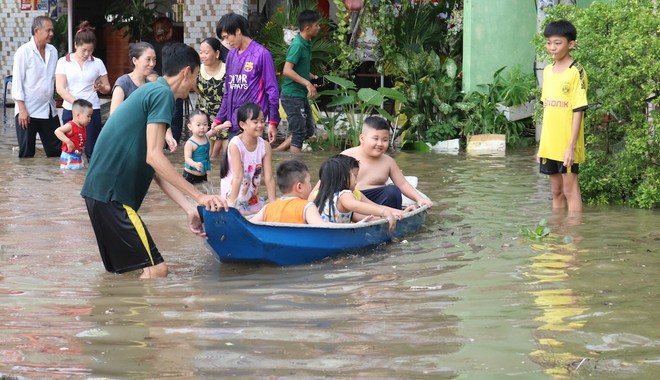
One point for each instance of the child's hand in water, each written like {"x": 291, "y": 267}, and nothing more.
{"x": 426, "y": 202}
{"x": 391, "y": 219}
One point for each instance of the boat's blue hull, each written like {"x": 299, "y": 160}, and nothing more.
{"x": 234, "y": 239}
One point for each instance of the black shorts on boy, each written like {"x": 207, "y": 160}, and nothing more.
{"x": 550, "y": 167}
{"x": 124, "y": 241}
{"x": 388, "y": 195}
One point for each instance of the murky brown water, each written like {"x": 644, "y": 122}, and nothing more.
{"x": 467, "y": 297}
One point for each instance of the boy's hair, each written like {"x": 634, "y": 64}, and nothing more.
{"x": 562, "y": 28}
{"x": 377, "y": 123}
{"x": 230, "y": 23}
{"x": 195, "y": 113}
{"x": 307, "y": 17}
{"x": 335, "y": 176}
{"x": 289, "y": 173}
{"x": 248, "y": 111}
{"x": 178, "y": 55}
{"x": 136, "y": 49}
{"x": 79, "y": 105}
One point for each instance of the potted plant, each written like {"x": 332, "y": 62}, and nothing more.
{"x": 60, "y": 35}
{"x": 128, "y": 21}
{"x": 355, "y": 105}
{"x": 481, "y": 116}
{"x": 272, "y": 36}
{"x": 133, "y": 17}
{"x": 515, "y": 89}
{"x": 431, "y": 87}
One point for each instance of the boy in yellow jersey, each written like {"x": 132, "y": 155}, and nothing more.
{"x": 564, "y": 96}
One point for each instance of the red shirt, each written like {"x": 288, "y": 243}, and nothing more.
{"x": 78, "y": 136}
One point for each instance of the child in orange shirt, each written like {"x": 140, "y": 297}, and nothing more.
{"x": 293, "y": 180}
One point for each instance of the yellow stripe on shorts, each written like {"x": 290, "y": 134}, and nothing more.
{"x": 139, "y": 227}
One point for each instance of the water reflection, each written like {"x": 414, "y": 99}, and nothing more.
{"x": 466, "y": 297}
{"x": 560, "y": 306}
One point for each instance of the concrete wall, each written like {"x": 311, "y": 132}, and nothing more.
{"x": 14, "y": 32}
{"x": 496, "y": 33}
{"x": 201, "y": 16}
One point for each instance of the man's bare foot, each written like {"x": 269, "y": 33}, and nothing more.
{"x": 156, "y": 271}
{"x": 284, "y": 145}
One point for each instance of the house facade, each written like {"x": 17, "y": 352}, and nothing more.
{"x": 198, "y": 21}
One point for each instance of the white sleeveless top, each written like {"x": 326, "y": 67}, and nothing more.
{"x": 248, "y": 199}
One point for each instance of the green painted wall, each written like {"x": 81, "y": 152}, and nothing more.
{"x": 496, "y": 33}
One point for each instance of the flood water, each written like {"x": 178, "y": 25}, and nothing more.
{"x": 467, "y": 297}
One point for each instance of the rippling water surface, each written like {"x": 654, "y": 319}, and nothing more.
{"x": 466, "y": 297}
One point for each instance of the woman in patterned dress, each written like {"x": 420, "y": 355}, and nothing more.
{"x": 211, "y": 83}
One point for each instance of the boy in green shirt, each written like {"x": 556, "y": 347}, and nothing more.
{"x": 297, "y": 87}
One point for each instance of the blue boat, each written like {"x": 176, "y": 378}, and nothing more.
{"x": 235, "y": 239}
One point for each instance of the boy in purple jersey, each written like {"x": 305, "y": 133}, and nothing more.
{"x": 250, "y": 77}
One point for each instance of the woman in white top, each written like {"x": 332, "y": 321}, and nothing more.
{"x": 80, "y": 75}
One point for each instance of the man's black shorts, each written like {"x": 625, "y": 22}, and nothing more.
{"x": 549, "y": 167}
{"x": 124, "y": 241}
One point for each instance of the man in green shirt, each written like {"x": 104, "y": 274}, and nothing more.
{"x": 297, "y": 87}
{"x": 128, "y": 155}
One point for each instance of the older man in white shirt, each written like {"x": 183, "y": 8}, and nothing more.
{"x": 33, "y": 84}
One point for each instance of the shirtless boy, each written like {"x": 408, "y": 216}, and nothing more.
{"x": 376, "y": 167}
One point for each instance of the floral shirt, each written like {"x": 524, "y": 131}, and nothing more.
{"x": 210, "y": 93}
{"x": 335, "y": 216}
